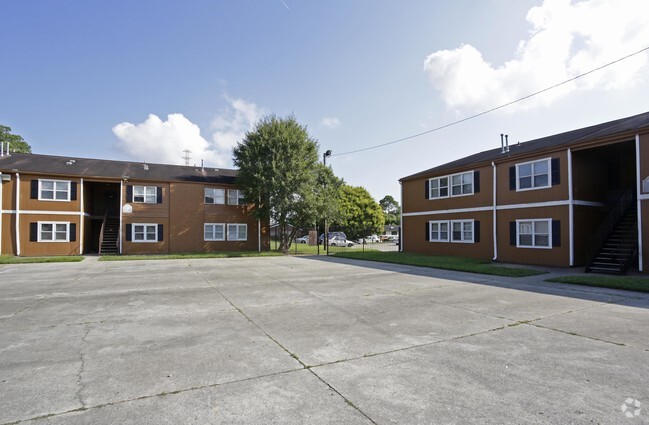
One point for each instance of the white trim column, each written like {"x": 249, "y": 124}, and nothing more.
{"x": 0, "y": 217}
{"x": 81, "y": 217}
{"x": 571, "y": 212}
{"x": 121, "y": 208}
{"x": 638, "y": 200}
{"x": 401, "y": 233}
{"x": 17, "y": 214}
{"x": 494, "y": 217}
{"x": 259, "y": 235}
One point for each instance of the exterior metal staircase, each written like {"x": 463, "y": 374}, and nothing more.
{"x": 109, "y": 237}
{"x": 619, "y": 248}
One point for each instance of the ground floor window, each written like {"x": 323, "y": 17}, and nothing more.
{"x": 462, "y": 231}
{"x": 237, "y": 232}
{"x": 214, "y": 232}
{"x": 53, "y": 232}
{"x": 145, "y": 233}
{"x": 534, "y": 233}
{"x": 439, "y": 231}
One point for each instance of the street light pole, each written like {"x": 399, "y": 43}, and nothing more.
{"x": 325, "y": 238}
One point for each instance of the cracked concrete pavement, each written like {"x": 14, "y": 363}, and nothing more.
{"x": 313, "y": 340}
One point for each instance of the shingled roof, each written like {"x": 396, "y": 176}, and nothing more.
{"x": 101, "y": 168}
{"x": 567, "y": 139}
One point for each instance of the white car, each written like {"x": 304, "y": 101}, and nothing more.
{"x": 369, "y": 239}
{"x": 339, "y": 241}
{"x": 303, "y": 239}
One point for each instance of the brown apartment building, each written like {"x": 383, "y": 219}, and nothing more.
{"x": 51, "y": 205}
{"x": 579, "y": 198}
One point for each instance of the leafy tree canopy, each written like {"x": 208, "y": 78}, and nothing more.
{"x": 16, "y": 142}
{"x": 391, "y": 210}
{"x": 360, "y": 213}
{"x": 281, "y": 176}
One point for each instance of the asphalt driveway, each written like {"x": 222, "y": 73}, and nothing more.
{"x": 313, "y": 341}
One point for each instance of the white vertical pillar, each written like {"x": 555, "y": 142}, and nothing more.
{"x": 571, "y": 212}
{"x": 259, "y": 235}
{"x": 639, "y": 202}
{"x": 121, "y": 208}
{"x": 495, "y": 203}
{"x": 1, "y": 217}
{"x": 401, "y": 233}
{"x": 82, "y": 219}
{"x": 17, "y": 213}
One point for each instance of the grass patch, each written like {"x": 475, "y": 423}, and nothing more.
{"x": 438, "y": 262}
{"x": 629, "y": 283}
{"x": 189, "y": 256}
{"x": 7, "y": 259}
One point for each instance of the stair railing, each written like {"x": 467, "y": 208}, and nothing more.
{"x": 607, "y": 226}
{"x": 101, "y": 232}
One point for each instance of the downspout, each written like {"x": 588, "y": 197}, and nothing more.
{"x": 571, "y": 212}
{"x": 259, "y": 235}
{"x": 81, "y": 217}
{"x": 495, "y": 227}
{"x": 401, "y": 221}
{"x": 121, "y": 209}
{"x": 639, "y": 204}
{"x": 17, "y": 214}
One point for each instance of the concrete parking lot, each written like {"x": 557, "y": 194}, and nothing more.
{"x": 308, "y": 340}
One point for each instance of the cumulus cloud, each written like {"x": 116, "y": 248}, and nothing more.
{"x": 330, "y": 122}
{"x": 158, "y": 141}
{"x": 567, "y": 39}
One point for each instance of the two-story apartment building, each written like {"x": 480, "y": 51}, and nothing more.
{"x": 572, "y": 199}
{"x": 52, "y": 205}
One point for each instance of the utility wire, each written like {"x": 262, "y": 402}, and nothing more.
{"x": 403, "y": 139}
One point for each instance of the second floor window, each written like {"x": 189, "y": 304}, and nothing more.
{"x": 462, "y": 184}
{"x": 439, "y": 187}
{"x": 54, "y": 190}
{"x": 145, "y": 194}
{"x": 214, "y": 196}
{"x": 533, "y": 175}
{"x": 236, "y": 197}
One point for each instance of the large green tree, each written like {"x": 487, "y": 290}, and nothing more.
{"x": 280, "y": 174}
{"x": 360, "y": 213}
{"x": 391, "y": 210}
{"x": 16, "y": 142}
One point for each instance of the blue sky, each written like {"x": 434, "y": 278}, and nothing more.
{"x": 144, "y": 80}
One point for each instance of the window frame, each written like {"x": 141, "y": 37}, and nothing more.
{"x": 144, "y": 194}
{"x": 533, "y": 221}
{"x": 238, "y": 226}
{"x": 549, "y": 174}
{"x": 450, "y": 231}
{"x": 451, "y": 185}
{"x": 439, "y": 223}
{"x": 154, "y": 225}
{"x": 54, "y": 232}
{"x": 439, "y": 187}
{"x": 213, "y": 190}
{"x": 240, "y": 197}
{"x": 53, "y": 190}
{"x": 205, "y": 225}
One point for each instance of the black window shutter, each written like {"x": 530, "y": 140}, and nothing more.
{"x": 33, "y": 231}
{"x": 34, "y": 189}
{"x": 476, "y": 231}
{"x": 73, "y": 232}
{"x": 160, "y": 234}
{"x": 427, "y": 187}
{"x": 73, "y": 191}
{"x": 158, "y": 195}
{"x": 428, "y": 230}
{"x": 512, "y": 233}
{"x": 129, "y": 193}
{"x": 476, "y": 182}
{"x": 512, "y": 177}
{"x": 556, "y": 233}
{"x": 555, "y": 172}
{"x": 129, "y": 232}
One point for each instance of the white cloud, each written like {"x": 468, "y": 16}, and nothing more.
{"x": 331, "y": 122}
{"x": 567, "y": 39}
{"x": 158, "y": 141}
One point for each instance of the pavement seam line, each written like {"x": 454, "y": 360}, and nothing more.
{"x": 82, "y": 367}
{"x": 293, "y": 355}
{"x": 619, "y": 344}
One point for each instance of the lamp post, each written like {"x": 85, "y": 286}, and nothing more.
{"x": 325, "y": 237}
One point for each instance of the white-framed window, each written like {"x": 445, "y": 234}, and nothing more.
{"x": 439, "y": 231}
{"x": 237, "y": 232}
{"x": 462, "y": 231}
{"x": 53, "y": 231}
{"x": 144, "y": 232}
{"x": 53, "y": 190}
{"x": 462, "y": 184}
{"x": 236, "y": 197}
{"x": 533, "y": 175}
{"x": 438, "y": 187}
{"x": 214, "y": 196}
{"x": 534, "y": 233}
{"x": 145, "y": 194}
{"x": 214, "y": 232}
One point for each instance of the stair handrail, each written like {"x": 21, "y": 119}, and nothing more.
{"x": 597, "y": 240}
{"x": 101, "y": 232}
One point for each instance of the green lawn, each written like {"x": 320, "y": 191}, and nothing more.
{"x": 8, "y": 259}
{"x": 188, "y": 256}
{"x": 439, "y": 262}
{"x": 630, "y": 283}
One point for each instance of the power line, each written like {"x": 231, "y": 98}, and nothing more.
{"x": 403, "y": 139}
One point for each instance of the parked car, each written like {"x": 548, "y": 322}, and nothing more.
{"x": 303, "y": 239}
{"x": 369, "y": 239}
{"x": 331, "y": 235}
{"x": 340, "y": 241}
